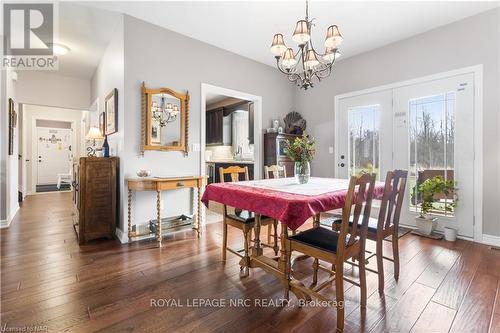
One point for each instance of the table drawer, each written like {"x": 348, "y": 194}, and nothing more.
{"x": 179, "y": 184}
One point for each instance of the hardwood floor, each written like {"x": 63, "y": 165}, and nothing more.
{"x": 47, "y": 280}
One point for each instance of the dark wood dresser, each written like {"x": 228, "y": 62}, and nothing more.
{"x": 95, "y": 197}
{"x": 274, "y": 151}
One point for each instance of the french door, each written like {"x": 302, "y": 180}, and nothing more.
{"x": 425, "y": 128}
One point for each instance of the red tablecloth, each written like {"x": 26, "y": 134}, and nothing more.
{"x": 288, "y": 208}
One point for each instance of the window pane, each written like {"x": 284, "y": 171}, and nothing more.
{"x": 431, "y": 144}
{"x": 364, "y": 140}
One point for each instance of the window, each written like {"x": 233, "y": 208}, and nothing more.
{"x": 431, "y": 145}
{"x": 364, "y": 140}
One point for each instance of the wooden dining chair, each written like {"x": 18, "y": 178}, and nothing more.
{"x": 278, "y": 171}
{"x": 241, "y": 219}
{"x": 386, "y": 224}
{"x": 336, "y": 247}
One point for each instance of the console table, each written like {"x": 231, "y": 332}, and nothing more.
{"x": 158, "y": 185}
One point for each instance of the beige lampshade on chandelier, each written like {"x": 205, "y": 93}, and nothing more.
{"x": 303, "y": 66}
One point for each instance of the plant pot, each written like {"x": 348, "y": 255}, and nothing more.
{"x": 450, "y": 234}
{"x": 426, "y": 225}
{"x": 302, "y": 172}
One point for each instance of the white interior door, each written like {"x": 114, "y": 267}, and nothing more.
{"x": 54, "y": 153}
{"x": 434, "y": 132}
{"x": 364, "y": 134}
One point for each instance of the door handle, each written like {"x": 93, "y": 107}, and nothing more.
{"x": 341, "y": 165}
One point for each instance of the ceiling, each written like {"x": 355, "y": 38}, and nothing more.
{"x": 86, "y": 31}
{"x": 246, "y": 28}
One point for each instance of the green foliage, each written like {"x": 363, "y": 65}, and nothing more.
{"x": 301, "y": 149}
{"x": 437, "y": 185}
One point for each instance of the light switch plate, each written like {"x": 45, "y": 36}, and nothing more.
{"x": 195, "y": 147}
{"x": 330, "y": 150}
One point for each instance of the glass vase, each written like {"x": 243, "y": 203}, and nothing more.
{"x": 302, "y": 171}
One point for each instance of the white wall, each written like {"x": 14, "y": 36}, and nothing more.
{"x": 108, "y": 75}
{"x": 8, "y": 163}
{"x": 52, "y": 89}
{"x": 167, "y": 59}
{"x": 48, "y": 113}
{"x": 472, "y": 41}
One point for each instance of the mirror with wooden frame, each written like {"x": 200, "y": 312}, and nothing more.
{"x": 164, "y": 119}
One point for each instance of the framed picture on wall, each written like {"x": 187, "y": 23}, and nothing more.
{"x": 111, "y": 112}
{"x": 155, "y": 132}
{"x": 12, "y": 125}
{"x": 102, "y": 122}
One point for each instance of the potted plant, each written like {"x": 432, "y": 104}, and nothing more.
{"x": 428, "y": 190}
{"x": 301, "y": 151}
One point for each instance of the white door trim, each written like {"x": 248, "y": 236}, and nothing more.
{"x": 259, "y": 153}
{"x": 34, "y": 148}
{"x": 477, "y": 71}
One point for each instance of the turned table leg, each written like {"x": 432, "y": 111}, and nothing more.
{"x": 198, "y": 218}
{"x": 129, "y": 216}
{"x": 316, "y": 219}
{"x": 158, "y": 217}
{"x": 283, "y": 239}
{"x": 257, "y": 249}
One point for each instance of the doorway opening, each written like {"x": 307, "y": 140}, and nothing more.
{"x": 51, "y": 141}
{"x": 231, "y": 130}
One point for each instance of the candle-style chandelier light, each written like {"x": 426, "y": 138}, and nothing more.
{"x": 303, "y": 66}
{"x": 165, "y": 112}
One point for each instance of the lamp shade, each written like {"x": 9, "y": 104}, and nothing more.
{"x": 288, "y": 59}
{"x": 94, "y": 133}
{"x": 333, "y": 37}
{"x": 331, "y": 54}
{"x": 310, "y": 60}
{"x": 278, "y": 47}
{"x": 301, "y": 34}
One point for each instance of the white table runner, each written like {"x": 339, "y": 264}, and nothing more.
{"x": 315, "y": 186}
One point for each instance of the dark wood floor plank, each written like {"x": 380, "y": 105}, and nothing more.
{"x": 436, "y": 318}
{"x": 475, "y": 312}
{"x": 453, "y": 288}
{"x": 403, "y": 315}
{"x": 436, "y": 271}
{"x": 48, "y": 279}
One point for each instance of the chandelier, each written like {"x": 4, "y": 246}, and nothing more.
{"x": 164, "y": 113}
{"x": 303, "y": 66}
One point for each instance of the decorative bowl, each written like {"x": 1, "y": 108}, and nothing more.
{"x": 143, "y": 173}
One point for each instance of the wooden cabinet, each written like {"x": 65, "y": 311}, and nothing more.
{"x": 274, "y": 151}
{"x": 215, "y": 127}
{"x": 95, "y": 197}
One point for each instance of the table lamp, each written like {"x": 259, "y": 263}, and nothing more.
{"x": 93, "y": 134}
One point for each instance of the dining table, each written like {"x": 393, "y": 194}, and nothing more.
{"x": 287, "y": 201}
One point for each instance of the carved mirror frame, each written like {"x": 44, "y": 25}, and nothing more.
{"x": 146, "y": 120}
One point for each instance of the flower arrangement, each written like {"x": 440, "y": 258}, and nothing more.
{"x": 301, "y": 149}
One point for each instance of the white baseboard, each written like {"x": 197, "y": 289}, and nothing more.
{"x": 491, "y": 240}
{"x": 121, "y": 236}
{"x": 6, "y": 223}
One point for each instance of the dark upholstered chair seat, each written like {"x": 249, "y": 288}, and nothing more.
{"x": 372, "y": 223}
{"x": 245, "y": 216}
{"x": 320, "y": 238}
